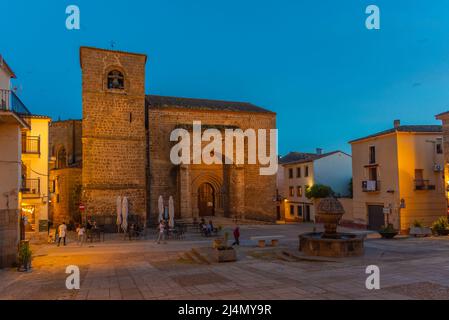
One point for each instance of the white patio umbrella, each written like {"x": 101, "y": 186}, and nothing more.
{"x": 119, "y": 213}
{"x": 125, "y": 214}
{"x": 160, "y": 205}
{"x": 171, "y": 212}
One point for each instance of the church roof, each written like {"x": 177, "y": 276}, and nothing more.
{"x": 154, "y": 101}
{"x": 302, "y": 157}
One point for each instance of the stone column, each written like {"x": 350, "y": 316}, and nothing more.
{"x": 237, "y": 191}
{"x": 185, "y": 191}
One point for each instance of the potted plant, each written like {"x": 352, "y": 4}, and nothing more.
{"x": 441, "y": 227}
{"x": 24, "y": 256}
{"x": 223, "y": 252}
{"x": 217, "y": 243}
{"x": 388, "y": 232}
{"x": 418, "y": 229}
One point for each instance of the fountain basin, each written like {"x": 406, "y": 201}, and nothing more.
{"x": 338, "y": 245}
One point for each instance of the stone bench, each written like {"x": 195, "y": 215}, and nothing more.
{"x": 262, "y": 240}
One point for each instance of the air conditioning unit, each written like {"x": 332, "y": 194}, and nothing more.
{"x": 437, "y": 167}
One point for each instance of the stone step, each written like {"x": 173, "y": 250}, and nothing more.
{"x": 299, "y": 256}
{"x": 204, "y": 259}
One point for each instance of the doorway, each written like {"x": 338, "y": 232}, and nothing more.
{"x": 206, "y": 200}
{"x": 307, "y": 213}
{"x": 376, "y": 217}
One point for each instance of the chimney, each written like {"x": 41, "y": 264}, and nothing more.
{"x": 319, "y": 151}
{"x": 396, "y": 123}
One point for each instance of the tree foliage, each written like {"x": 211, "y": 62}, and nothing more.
{"x": 318, "y": 191}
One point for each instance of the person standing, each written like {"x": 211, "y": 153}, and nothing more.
{"x": 236, "y": 236}
{"x": 62, "y": 232}
{"x": 80, "y": 232}
{"x": 161, "y": 232}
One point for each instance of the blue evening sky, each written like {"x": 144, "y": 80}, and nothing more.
{"x": 313, "y": 62}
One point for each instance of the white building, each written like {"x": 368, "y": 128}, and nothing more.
{"x": 303, "y": 170}
{"x": 11, "y": 126}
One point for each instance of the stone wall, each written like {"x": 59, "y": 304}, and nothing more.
{"x": 66, "y": 134}
{"x": 244, "y": 191}
{"x": 66, "y": 196}
{"x": 114, "y": 133}
{"x": 9, "y": 237}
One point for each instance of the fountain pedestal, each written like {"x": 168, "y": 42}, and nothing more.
{"x": 330, "y": 243}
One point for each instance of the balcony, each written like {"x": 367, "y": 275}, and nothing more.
{"x": 31, "y": 187}
{"x": 370, "y": 186}
{"x": 9, "y": 101}
{"x": 424, "y": 185}
{"x": 31, "y": 145}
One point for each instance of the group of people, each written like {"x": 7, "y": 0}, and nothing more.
{"x": 81, "y": 231}
{"x": 207, "y": 228}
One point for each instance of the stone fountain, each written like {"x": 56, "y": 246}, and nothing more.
{"x": 331, "y": 243}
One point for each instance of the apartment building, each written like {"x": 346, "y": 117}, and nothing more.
{"x": 301, "y": 171}
{"x": 398, "y": 177}
{"x": 35, "y": 173}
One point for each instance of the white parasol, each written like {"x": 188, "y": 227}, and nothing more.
{"x": 119, "y": 212}
{"x": 160, "y": 205}
{"x": 171, "y": 212}
{"x": 125, "y": 213}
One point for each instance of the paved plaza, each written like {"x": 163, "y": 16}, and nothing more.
{"x": 410, "y": 268}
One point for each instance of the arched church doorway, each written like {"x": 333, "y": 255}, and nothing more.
{"x": 206, "y": 200}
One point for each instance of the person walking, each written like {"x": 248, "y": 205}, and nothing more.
{"x": 161, "y": 235}
{"x": 62, "y": 232}
{"x": 236, "y": 236}
{"x": 80, "y": 231}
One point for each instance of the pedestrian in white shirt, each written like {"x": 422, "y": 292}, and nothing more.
{"x": 62, "y": 232}
{"x": 161, "y": 232}
{"x": 80, "y": 231}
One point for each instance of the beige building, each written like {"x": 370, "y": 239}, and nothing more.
{"x": 303, "y": 170}
{"x": 35, "y": 191}
{"x": 11, "y": 126}
{"x": 444, "y": 117}
{"x": 398, "y": 177}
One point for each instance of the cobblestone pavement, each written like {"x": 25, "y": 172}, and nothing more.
{"x": 411, "y": 268}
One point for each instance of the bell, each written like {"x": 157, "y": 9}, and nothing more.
{"x": 115, "y": 83}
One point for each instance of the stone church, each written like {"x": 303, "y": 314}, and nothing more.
{"x": 126, "y": 147}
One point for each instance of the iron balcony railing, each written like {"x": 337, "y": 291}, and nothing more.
{"x": 421, "y": 184}
{"x": 31, "y": 145}
{"x": 9, "y": 101}
{"x": 370, "y": 186}
{"x": 31, "y": 186}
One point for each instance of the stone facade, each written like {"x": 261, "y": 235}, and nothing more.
{"x": 238, "y": 190}
{"x": 65, "y": 171}
{"x": 65, "y": 136}
{"x": 126, "y": 147}
{"x": 114, "y": 132}
{"x": 66, "y": 195}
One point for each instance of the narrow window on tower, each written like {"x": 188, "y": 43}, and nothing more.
{"x": 130, "y": 117}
